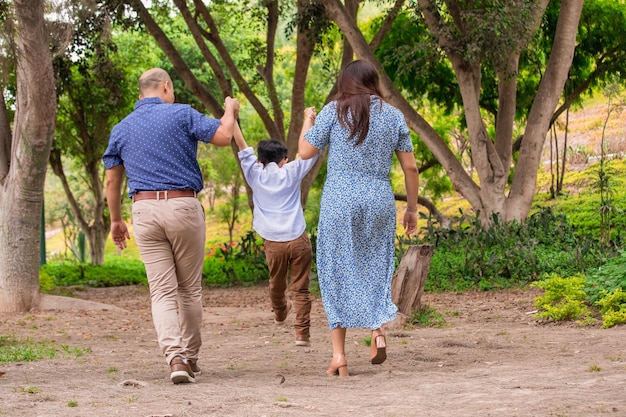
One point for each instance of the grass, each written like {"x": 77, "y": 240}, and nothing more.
{"x": 25, "y": 350}
{"x": 29, "y": 390}
{"x": 428, "y": 317}
{"x": 594, "y": 368}
{"x": 580, "y": 202}
{"x": 28, "y": 350}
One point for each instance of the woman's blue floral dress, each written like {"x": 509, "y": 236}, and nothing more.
{"x": 357, "y": 226}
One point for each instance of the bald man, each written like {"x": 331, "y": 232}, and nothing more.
{"x": 156, "y": 147}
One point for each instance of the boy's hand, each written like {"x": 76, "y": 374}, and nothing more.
{"x": 232, "y": 104}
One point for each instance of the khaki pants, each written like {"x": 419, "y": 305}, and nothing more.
{"x": 290, "y": 264}
{"x": 171, "y": 236}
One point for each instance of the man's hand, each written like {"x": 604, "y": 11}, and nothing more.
{"x": 119, "y": 234}
{"x": 231, "y": 104}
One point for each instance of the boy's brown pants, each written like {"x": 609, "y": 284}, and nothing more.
{"x": 289, "y": 265}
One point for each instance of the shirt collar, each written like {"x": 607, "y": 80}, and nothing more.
{"x": 148, "y": 100}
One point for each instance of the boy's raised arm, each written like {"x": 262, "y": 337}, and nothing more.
{"x": 239, "y": 140}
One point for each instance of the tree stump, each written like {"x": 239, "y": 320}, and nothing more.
{"x": 407, "y": 284}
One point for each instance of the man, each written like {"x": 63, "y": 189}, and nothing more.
{"x": 156, "y": 145}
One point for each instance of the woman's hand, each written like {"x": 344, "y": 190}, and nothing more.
{"x": 410, "y": 222}
{"x": 305, "y": 149}
{"x": 309, "y": 113}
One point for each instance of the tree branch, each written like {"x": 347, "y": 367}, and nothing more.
{"x": 214, "y": 37}
{"x": 267, "y": 71}
{"x": 460, "y": 179}
{"x": 180, "y": 66}
{"x": 196, "y": 31}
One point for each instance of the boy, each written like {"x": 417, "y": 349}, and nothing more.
{"x": 279, "y": 220}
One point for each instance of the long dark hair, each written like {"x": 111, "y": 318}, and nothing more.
{"x": 357, "y": 81}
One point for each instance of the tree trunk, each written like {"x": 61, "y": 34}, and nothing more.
{"x": 92, "y": 223}
{"x": 525, "y": 179}
{"x": 97, "y": 240}
{"x": 21, "y": 190}
{"x": 561, "y": 174}
{"x": 407, "y": 286}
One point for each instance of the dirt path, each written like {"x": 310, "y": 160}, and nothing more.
{"x": 493, "y": 359}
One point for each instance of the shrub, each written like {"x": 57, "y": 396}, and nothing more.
{"x": 116, "y": 271}
{"x": 46, "y": 282}
{"x": 236, "y": 264}
{"x": 606, "y": 278}
{"x": 468, "y": 256}
{"x": 564, "y": 298}
{"x": 613, "y": 308}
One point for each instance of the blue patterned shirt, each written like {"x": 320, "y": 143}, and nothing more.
{"x": 158, "y": 143}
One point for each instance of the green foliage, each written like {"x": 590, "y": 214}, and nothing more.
{"x": 613, "y": 308}
{"x": 564, "y": 298}
{"x": 22, "y": 350}
{"x": 428, "y": 317}
{"x": 604, "y": 289}
{"x": 115, "y": 271}
{"x": 236, "y": 264}
{"x": 46, "y": 282}
{"x": 507, "y": 255}
{"x": 412, "y": 59}
{"x": 608, "y": 277}
{"x": 27, "y": 350}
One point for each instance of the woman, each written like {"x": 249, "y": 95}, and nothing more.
{"x": 357, "y": 226}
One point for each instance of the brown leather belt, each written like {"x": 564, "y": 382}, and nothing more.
{"x": 162, "y": 195}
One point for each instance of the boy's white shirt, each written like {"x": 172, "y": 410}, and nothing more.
{"x": 278, "y": 212}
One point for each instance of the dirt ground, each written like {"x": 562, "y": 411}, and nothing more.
{"x": 492, "y": 359}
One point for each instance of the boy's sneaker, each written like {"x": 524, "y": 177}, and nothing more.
{"x": 280, "y": 318}
{"x": 302, "y": 340}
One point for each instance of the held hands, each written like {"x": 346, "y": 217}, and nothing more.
{"x": 231, "y": 104}
{"x": 310, "y": 114}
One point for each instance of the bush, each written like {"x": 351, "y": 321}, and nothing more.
{"x": 606, "y": 278}
{"x": 564, "y": 298}
{"x": 613, "y": 308}
{"x": 240, "y": 264}
{"x": 46, "y": 282}
{"x": 116, "y": 271}
{"x": 468, "y": 256}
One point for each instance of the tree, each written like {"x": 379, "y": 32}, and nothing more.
{"x": 250, "y": 71}
{"x": 94, "y": 93}
{"x": 24, "y": 157}
{"x": 600, "y": 56}
{"x": 248, "y": 63}
{"x": 416, "y": 64}
{"x": 472, "y": 36}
